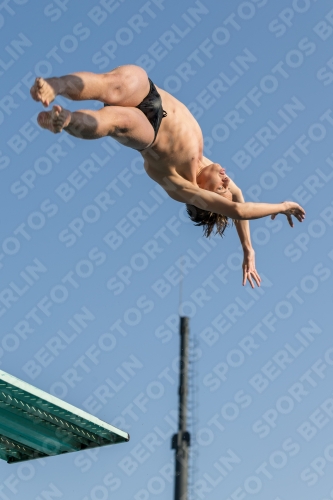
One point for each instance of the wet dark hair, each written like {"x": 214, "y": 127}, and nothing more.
{"x": 209, "y": 220}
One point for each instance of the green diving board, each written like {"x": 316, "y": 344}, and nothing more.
{"x": 34, "y": 424}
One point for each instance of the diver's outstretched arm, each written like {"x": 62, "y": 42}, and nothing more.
{"x": 250, "y": 272}
{"x": 184, "y": 191}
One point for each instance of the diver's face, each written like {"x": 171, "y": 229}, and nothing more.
{"x": 213, "y": 178}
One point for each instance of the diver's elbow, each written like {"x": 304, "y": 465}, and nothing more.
{"x": 239, "y": 212}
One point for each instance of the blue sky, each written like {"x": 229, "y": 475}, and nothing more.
{"x": 84, "y": 277}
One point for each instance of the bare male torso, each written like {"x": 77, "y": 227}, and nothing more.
{"x": 178, "y": 148}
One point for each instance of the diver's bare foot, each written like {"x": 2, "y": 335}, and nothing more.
{"x": 44, "y": 91}
{"x": 54, "y": 120}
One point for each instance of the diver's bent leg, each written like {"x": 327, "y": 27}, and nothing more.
{"x": 123, "y": 86}
{"x": 82, "y": 124}
{"x": 127, "y": 125}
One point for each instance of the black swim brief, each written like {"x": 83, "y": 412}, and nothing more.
{"x": 151, "y": 106}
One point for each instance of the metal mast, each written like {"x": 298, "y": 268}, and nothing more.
{"x": 181, "y": 440}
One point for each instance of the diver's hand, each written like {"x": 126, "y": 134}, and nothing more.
{"x": 291, "y": 209}
{"x": 250, "y": 273}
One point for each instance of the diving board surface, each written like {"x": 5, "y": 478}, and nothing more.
{"x": 34, "y": 424}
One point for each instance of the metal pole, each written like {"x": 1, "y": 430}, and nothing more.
{"x": 181, "y": 440}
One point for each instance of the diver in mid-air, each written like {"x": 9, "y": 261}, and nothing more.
{"x": 143, "y": 117}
